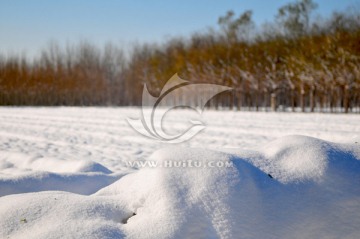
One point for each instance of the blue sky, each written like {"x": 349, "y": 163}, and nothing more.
{"x": 28, "y": 26}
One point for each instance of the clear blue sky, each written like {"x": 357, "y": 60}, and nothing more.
{"x": 29, "y": 25}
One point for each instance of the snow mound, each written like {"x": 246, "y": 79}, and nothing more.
{"x": 293, "y": 187}
{"x": 21, "y": 173}
{"x": 60, "y": 215}
{"x": 184, "y": 202}
{"x": 302, "y": 158}
{"x": 80, "y": 183}
{"x": 13, "y": 163}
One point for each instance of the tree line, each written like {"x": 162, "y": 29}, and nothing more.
{"x": 297, "y": 63}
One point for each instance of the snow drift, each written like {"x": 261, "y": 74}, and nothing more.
{"x": 20, "y": 173}
{"x": 293, "y": 187}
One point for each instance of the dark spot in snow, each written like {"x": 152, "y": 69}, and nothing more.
{"x": 124, "y": 221}
{"x": 270, "y": 175}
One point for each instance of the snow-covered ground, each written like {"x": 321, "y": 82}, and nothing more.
{"x": 85, "y": 173}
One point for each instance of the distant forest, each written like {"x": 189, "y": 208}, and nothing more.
{"x": 297, "y": 62}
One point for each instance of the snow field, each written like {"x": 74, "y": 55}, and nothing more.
{"x": 277, "y": 187}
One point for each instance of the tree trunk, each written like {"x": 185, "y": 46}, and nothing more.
{"x": 302, "y": 100}
{"x": 257, "y": 100}
{"x": 312, "y": 99}
{"x": 346, "y": 98}
{"x": 238, "y": 100}
{"x": 292, "y": 100}
{"x": 273, "y": 102}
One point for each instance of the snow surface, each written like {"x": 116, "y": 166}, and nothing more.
{"x": 70, "y": 173}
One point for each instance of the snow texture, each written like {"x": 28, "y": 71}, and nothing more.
{"x": 61, "y": 178}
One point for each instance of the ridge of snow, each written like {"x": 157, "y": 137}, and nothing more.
{"x": 292, "y": 187}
